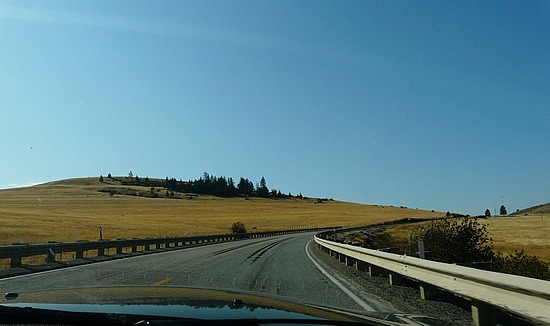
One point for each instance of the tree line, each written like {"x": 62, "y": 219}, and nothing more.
{"x": 209, "y": 185}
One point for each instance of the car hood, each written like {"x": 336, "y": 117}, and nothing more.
{"x": 196, "y": 303}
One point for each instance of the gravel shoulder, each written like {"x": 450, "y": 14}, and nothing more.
{"x": 404, "y": 299}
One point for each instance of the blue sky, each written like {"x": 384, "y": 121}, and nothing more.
{"x": 432, "y": 104}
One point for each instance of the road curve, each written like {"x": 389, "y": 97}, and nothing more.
{"x": 281, "y": 266}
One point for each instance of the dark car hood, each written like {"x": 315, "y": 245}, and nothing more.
{"x": 196, "y": 303}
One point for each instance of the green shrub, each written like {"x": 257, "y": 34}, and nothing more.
{"x": 460, "y": 241}
{"x": 238, "y": 227}
{"x": 467, "y": 241}
{"x": 519, "y": 263}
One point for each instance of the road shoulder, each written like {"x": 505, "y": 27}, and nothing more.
{"x": 403, "y": 299}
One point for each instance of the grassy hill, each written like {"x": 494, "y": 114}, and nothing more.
{"x": 535, "y": 210}
{"x": 528, "y": 229}
{"x": 73, "y": 209}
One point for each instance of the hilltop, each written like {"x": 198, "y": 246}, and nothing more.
{"x": 538, "y": 209}
{"x": 73, "y": 209}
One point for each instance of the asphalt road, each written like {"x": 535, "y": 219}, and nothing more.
{"x": 281, "y": 266}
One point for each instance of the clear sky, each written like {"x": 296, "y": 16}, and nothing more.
{"x": 432, "y": 104}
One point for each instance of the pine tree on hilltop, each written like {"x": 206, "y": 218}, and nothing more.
{"x": 503, "y": 210}
{"x": 262, "y": 189}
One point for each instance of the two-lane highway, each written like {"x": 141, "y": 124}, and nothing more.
{"x": 281, "y": 265}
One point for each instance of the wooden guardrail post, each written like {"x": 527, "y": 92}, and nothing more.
{"x": 376, "y": 271}
{"x": 342, "y": 258}
{"x": 360, "y": 266}
{"x": 427, "y": 291}
{"x": 50, "y": 258}
{"x": 483, "y": 314}
{"x": 15, "y": 262}
{"x": 395, "y": 279}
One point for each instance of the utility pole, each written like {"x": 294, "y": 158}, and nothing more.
{"x": 100, "y": 233}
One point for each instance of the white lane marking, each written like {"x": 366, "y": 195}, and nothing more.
{"x": 350, "y": 294}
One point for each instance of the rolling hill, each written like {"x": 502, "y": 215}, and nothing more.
{"x": 538, "y": 209}
{"x": 73, "y": 209}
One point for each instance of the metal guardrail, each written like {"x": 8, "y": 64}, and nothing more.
{"x": 17, "y": 251}
{"x": 487, "y": 290}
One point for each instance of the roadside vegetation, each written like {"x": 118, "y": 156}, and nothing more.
{"x": 463, "y": 241}
{"x": 237, "y": 227}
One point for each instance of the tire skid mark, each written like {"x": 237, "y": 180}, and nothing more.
{"x": 223, "y": 251}
{"x": 260, "y": 252}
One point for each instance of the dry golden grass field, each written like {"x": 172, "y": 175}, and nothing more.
{"x": 530, "y": 232}
{"x": 73, "y": 210}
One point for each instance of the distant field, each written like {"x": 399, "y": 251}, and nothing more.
{"x": 530, "y": 232}
{"x": 73, "y": 210}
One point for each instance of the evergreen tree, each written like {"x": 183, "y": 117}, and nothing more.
{"x": 262, "y": 189}
{"x": 245, "y": 187}
{"x": 231, "y": 189}
{"x": 487, "y": 213}
{"x": 101, "y": 178}
{"x": 503, "y": 210}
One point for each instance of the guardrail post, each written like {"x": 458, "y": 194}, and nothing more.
{"x": 350, "y": 261}
{"x": 101, "y": 251}
{"x": 118, "y": 250}
{"x": 483, "y": 314}
{"x": 15, "y": 262}
{"x": 377, "y": 271}
{"x": 50, "y": 258}
{"x": 342, "y": 258}
{"x": 427, "y": 291}
{"x": 360, "y": 266}
{"x": 79, "y": 254}
{"x": 395, "y": 279}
